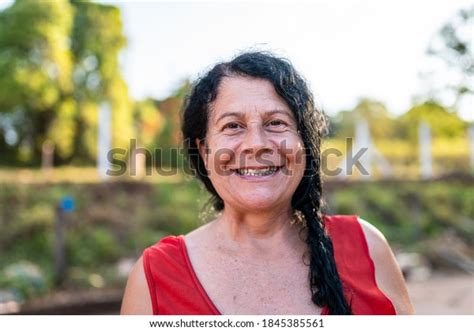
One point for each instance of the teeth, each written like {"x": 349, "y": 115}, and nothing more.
{"x": 257, "y": 172}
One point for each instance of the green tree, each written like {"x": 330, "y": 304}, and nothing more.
{"x": 442, "y": 122}
{"x": 170, "y": 138}
{"x": 58, "y": 65}
{"x": 453, "y": 45}
{"x": 35, "y": 74}
{"x": 149, "y": 122}
{"x": 97, "y": 40}
{"x": 381, "y": 124}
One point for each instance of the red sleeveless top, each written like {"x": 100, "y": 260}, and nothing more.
{"x": 176, "y": 290}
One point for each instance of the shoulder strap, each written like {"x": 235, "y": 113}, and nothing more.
{"x": 173, "y": 289}
{"x": 355, "y": 266}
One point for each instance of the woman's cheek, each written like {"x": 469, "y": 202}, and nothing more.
{"x": 220, "y": 156}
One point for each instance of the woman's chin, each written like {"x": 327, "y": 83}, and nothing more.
{"x": 259, "y": 203}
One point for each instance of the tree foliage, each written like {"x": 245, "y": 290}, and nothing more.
{"x": 35, "y": 72}
{"x": 59, "y": 63}
{"x": 380, "y": 122}
{"x": 97, "y": 40}
{"x": 441, "y": 121}
{"x": 454, "y": 46}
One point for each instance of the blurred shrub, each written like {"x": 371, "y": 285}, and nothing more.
{"x": 408, "y": 211}
{"x": 25, "y": 278}
{"x": 90, "y": 247}
{"x": 111, "y": 220}
{"x": 117, "y": 220}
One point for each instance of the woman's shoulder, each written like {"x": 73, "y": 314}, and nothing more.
{"x": 344, "y": 229}
{"x": 388, "y": 275}
{"x": 136, "y": 299}
{"x": 167, "y": 244}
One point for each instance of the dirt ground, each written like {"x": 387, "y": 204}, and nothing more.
{"x": 443, "y": 294}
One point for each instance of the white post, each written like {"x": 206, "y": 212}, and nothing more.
{"x": 137, "y": 161}
{"x": 424, "y": 139}
{"x": 369, "y": 157}
{"x": 471, "y": 145}
{"x": 104, "y": 141}
{"x": 47, "y": 158}
{"x": 362, "y": 140}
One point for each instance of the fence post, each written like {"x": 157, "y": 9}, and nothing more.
{"x": 471, "y": 146}
{"x": 424, "y": 139}
{"x": 59, "y": 248}
{"x": 65, "y": 206}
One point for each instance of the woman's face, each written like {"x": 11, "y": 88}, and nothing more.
{"x": 255, "y": 156}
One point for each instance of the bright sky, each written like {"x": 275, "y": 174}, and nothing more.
{"x": 345, "y": 49}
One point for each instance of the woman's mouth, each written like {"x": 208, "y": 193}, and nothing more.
{"x": 257, "y": 172}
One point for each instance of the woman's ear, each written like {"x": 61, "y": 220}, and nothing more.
{"x": 202, "y": 147}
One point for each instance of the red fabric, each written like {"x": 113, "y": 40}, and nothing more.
{"x": 355, "y": 267}
{"x": 176, "y": 290}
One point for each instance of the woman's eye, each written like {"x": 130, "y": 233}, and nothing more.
{"x": 232, "y": 126}
{"x": 277, "y": 123}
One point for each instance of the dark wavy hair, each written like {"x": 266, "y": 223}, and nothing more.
{"x": 326, "y": 286}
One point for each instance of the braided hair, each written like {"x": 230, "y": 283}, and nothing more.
{"x": 325, "y": 284}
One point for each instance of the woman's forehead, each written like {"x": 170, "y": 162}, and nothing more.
{"x": 246, "y": 96}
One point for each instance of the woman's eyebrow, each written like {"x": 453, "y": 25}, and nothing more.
{"x": 278, "y": 111}
{"x": 232, "y": 113}
{"x": 237, "y": 114}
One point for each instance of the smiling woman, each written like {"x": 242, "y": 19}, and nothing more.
{"x": 253, "y": 136}
{"x": 252, "y": 143}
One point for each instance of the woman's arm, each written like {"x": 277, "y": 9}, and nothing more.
{"x": 387, "y": 272}
{"x": 136, "y": 299}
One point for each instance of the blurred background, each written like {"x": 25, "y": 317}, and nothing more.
{"x": 81, "y": 78}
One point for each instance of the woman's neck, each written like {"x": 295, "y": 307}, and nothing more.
{"x": 262, "y": 233}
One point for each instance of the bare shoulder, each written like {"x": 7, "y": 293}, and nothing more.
{"x": 136, "y": 299}
{"x": 387, "y": 272}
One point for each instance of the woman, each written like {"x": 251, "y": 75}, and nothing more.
{"x": 253, "y": 138}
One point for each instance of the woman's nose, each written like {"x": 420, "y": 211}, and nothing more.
{"x": 255, "y": 139}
